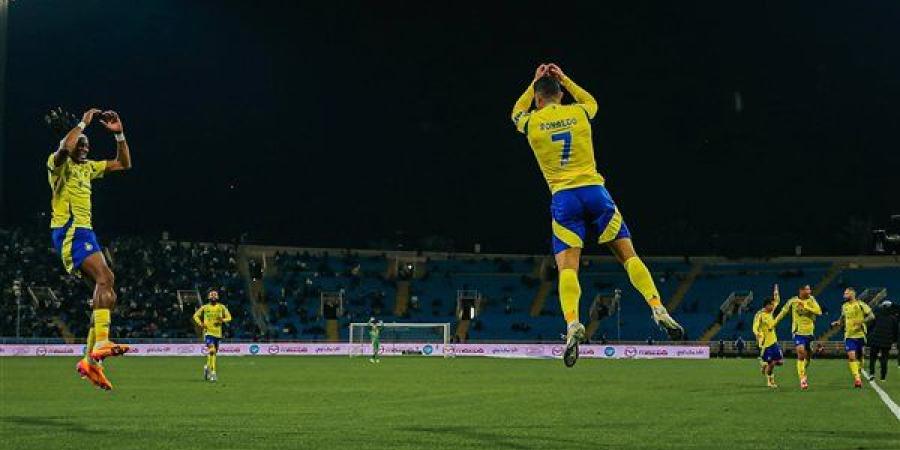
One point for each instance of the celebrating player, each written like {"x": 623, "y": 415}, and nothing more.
{"x": 375, "y": 334}
{"x": 210, "y": 318}
{"x": 560, "y": 137}
{"x": 854, "y": 316}
{"x": 764, "y": 329}
{"x": 803, "y": 308}
{"x": 70, "y": 174}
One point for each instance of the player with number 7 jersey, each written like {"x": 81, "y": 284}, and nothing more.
{"x": 560, "y": 137}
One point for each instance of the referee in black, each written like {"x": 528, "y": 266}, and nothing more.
{"x": 882, "y": 335}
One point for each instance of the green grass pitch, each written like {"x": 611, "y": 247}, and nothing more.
{"x": 417, "y": 402}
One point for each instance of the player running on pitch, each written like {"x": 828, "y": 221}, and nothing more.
{"x": 803, "y": 308}
{"x": 375, "y": 334}
{"x": 764, "y": 329}
{"x": 854, "y": 316}
{"x": 560, "y": 137}
{"x": 70, "y": 174}
{"x": 210, "y": 318}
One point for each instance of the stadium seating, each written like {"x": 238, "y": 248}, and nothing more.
{"x": 149, "y": 272}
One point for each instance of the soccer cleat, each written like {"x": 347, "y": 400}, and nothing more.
{"x": 94, "y": 374}
{"x": 664, "y": 320}
{"x": 206, "y": 372}
{"x": 371, "y": 360}
{"x": 857, "y": 383}
{"x": 109, "y": 349}
{"x": 213, "y": 377}
{"x": 804, "y": 384}
{"x": 574, "y": 336}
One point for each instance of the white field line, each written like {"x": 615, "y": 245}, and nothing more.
{"x": 884, "y": 397}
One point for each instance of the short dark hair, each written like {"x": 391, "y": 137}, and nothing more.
{"x": 768, "y": 300}
{"x": 547, "y": 86}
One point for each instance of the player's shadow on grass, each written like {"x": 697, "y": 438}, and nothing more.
{"x": 56, "y": 422}
{"x": 493, "y": 440}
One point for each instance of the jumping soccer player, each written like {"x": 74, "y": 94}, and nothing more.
{"x": 210, "y": 318}
{"x": 70, "y": 174}
{"x": 560, "y": 137}
{"x": 375, "y": 334}
{"x": 803, "y": 308}
{"x": 854, "y": 316}
{"x": 764, "y": 329}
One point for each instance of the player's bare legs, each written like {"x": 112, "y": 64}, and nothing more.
{"x": 641, "y": 279}
{"x": 104, "y": 299}
{"x": 568, "y": 261}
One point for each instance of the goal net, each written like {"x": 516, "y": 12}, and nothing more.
{"x": 414, "y": 338}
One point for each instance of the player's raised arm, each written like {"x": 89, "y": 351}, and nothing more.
{"x": 68, "y": 143}
{"x": 581, "y": 96}
{"x": 523, "y": 104}
{"x": 784, "y": 311}
{"x": 112, "y": 122}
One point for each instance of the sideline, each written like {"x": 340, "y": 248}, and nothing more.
{"x": 884, "y": 397}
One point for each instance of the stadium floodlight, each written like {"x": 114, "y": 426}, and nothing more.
{"x": 415, "y": 337}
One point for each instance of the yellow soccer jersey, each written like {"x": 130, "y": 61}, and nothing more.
{"x": 854, "y": 314}
{"x": 212, "y": 316}
{"x": 70, "y": 184}
{"x": 764, "y": 329}
{"x": 560, "y": 137}
{"x": 803, "y": 322}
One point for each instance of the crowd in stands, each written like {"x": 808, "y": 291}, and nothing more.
{"x": 149, "y": 272}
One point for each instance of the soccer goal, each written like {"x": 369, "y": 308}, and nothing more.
{"x": 416, "y": 336}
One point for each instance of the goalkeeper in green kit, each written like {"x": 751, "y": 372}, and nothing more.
{"x": 375, "y": 334}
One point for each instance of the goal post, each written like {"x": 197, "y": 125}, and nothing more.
{"x": 436, "y": 334}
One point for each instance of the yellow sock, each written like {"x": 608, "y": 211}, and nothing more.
{"x": 101, "y": 325}
{"x": 854, "y": 369}
{"x": 90, "y": 343}
{"x": 642, "y": 281}
{"x": 209, "y": 361}
{"x": 801, "y": 368}
{"x": 569, "y": 294}
{"x": 212, "y": 362}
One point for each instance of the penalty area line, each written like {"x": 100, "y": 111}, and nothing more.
{"x": 884, "y": 397}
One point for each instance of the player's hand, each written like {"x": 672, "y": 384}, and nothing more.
{"x": 89, "y": 116}
{"x": 555, "y": 71}
{"x": 112, "y": 122}
{"x": 775, "y": 291}
{"x": 540, "y": 71}
{"x": 835, "y": 323}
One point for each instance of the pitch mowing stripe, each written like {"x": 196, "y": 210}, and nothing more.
{"x": 884, "y": 397}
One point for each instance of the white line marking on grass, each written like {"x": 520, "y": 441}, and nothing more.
{"x": 884, "y": 397}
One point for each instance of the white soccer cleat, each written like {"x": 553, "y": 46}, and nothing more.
{"x": 213, "y": 377}
{"x": 664, "y": 320}
{"x": 574, "y": 336}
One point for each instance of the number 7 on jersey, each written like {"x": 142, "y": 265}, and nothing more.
{"x": 566, "y": 138}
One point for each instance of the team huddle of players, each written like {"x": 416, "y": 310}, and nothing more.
{"x": 804, "y": 309}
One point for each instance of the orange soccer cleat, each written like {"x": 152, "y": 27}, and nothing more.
{"x": 857, "y": 383}
{"x": 94, "y": 374}
{"x": 109, "y": 349}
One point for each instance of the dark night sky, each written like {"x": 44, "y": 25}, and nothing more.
{"x": 339, "y": 124}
